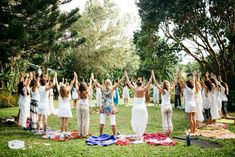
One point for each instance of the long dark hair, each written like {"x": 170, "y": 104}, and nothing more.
{"x": 83, "y": 89}
{"x": 208, "y": 84}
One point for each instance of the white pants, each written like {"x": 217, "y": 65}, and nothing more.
{"x": 166, "y": 118}
{"x": 112, "y": 118}
{"x": 83, "y": 119}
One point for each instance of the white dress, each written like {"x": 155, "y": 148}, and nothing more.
{"x": 214, "y": 106}
{"x": 218, "y": 100}
{"x": 166, "y": 111}
{"x": 51, "y": 102}
{"x": 190, "y": 105}
{"x": 199, "y": 109}
{"x": 24, "y": 103}
{"x": 206, "y": 99}
{"x": 223, "y": 95}
{"x": 155, "y": 94}
{"x": 64, "y": 109}
{"x": 125, "y": 93}
{"x": 98, "y": 96}
{"x": 43, "y": 107}
{"x": 74, "y": 94}
{"x": 139, "y": 117}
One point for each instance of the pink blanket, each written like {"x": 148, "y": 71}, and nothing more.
{"x": 159, "y": 139}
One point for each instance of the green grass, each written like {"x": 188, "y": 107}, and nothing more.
{"x": 36, "y": 146}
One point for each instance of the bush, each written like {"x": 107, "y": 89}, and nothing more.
{"x": 7, "y": 100}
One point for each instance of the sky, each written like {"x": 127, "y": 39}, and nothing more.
{"x": 126, "y": 7}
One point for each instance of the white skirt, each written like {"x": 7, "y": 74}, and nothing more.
{"x": 24, "y": 105}
{"x": 214, "y": 108}
{"x": 43, "y": 107}
{"x": 139, "y": 117}
{"x": 199, "y": 109}
{"x": 64, "y": 109}
{"x": 190, "y": 107}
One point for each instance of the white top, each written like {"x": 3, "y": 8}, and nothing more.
{"x": 26, "y": 97}
{"x": 43, "y": 94}
{"x": 84, "y": 101}
{"x": 166, "y": 98}
{"x": 155, "y": 90}
{"x": 223, "y": 95}
{"x": 189, "y": 96}
{"x": 35, "y": 94}
{"x": 207, "y": 99}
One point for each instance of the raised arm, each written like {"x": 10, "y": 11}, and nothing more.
{"x": 128, "y": 82}
{"x": 155, "y": 82}
{"x": 53, "y": 84}
{"x": 97, "y": 83}
{"x": 30, "y": 77}
{"x": 72, "y": 82}
{"x": 118, "y": 84}
{"x": 149, "y": 82}
{"x": 90, "y": 84}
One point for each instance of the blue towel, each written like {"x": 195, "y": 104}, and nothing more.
{"x": 116, "y": 97}
{"x": 102, "y": 140}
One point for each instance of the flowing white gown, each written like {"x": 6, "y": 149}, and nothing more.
{"x": 199, "y": 109}
{"x": 139, "y": 118}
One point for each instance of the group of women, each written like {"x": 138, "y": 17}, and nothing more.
{"x": 36, "y": 101}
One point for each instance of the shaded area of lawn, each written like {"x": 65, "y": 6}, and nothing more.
{"x": 35, "y": 146}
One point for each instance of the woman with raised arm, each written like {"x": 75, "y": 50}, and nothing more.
{"x": 35, "y": 99}
{"x": 224, "y": 96}
{"x": 139, "y": 116}
{"x": 83, "y": 107}
{"x": 107, "y": 106}
{"x": 207, "y": 97}
{"x": 43, "y": 106}
{"x": 166, "y": 108}
{"x": 25, "y": 102}
{"x": 64, "y": 110}
{"x": 198, "y": 99}
{"x": 190, "y": 104}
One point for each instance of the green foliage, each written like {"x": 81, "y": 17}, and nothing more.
{"x": 7, "y": 99}
{"x": 106, "y": 48}
{"x": 156, "y": 54}
{"x": 29, "y": 28}
{"x": 207, "y": 24}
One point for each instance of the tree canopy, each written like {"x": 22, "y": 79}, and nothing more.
{"x": 208, "y": 25}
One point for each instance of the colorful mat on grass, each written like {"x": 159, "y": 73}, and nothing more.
{"x": 102, "y": 140}
{"x": 227, "y": 121}
{"x": 56, "y": 135}
{"x": 218, "y": 134}
{"x": 217, "y": 130}
{"x": 159, "y": 139}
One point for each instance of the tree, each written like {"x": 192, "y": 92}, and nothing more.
{"x": 106, "y": 48}
{"x": 209, "y": 25}
{"x": 30, "y": 28}
{"x": 155, "y": 54}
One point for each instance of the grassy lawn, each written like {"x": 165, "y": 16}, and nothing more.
{"x": 36, "y": 146}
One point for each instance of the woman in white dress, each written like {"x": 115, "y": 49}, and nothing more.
{"x": 74, "y": 97}
{"x": 98, "y": 95}
{"x": 190, "y": 104}
{"x": 43, "y": 106}
{"x": 139, "y": 116}
{"x": 24, "y": 102}
{"x": 166, "y": 108}
{"x": 35, "y": 99}
{"x": 216, "y": 101}
{"x": 198, "y": 99}
{"x": 125, "y": 94}
{"x": 155, "y": 95}
{"x": 64, "y": 110}
{"x": 224, "y": 93}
